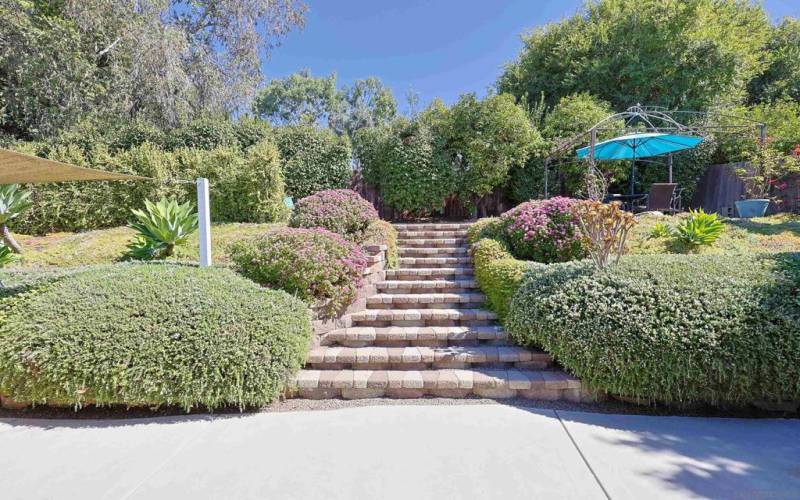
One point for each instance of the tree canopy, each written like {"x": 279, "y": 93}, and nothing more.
{"x": 675, "y": 53}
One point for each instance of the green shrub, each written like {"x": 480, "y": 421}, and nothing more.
{"x": 498, "y": 273}
{"x": 207, "y": 132}
{"x": 380, "y": 232}
{"x": 315, "y": 265}
{"x": 488, "y": 227}
{"x": 148, "y": 334}
{"x": 660, "y": 230}
{"x": 245, "y": 186}
{"x": 672, "y": 328}
{"x": 313, "y": 160}
{"x": 342, "y": 211}
{"x": 251, "y": 131}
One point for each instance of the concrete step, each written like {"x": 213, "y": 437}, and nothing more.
{"x": 427, "y": 286}
{"x": 425, "y": 300}
{"x": 423, "y": 358}
{"x": 432, "y": 226}
{"x": 434, "y": 252}
{"x": 489, "y": 383}
{"x": 422, "y": 317}
{"x": 418, "y": 274}
{"x": 436, "y": 235}
{"x": 431, "y": 262}
{"x": 432, "y": 242}
{"x": 399, "y": 336}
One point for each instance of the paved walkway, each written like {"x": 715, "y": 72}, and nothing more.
{"x": 413, "y": 452}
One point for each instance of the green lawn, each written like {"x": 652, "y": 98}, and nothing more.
{"x": 109, "y": 245}
{"x": 777, "y": 233}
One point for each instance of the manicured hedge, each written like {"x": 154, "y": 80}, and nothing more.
{"x": 313, "y": 159}
{"x": 316, "y": 265}
{"x": 246, "y": 186}
{"x": 670, "y": 328}
{"x": 498, "y": 273}
{"x": 148, "y": 334}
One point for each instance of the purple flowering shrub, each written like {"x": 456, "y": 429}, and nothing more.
{"x": 316, "y": 265}
{"x": 545, "y": 231}
{"x": 342, "y": 211}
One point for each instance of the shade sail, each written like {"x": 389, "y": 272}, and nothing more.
{"x": 19, "y": 168}
{"x": 633, "y": 146}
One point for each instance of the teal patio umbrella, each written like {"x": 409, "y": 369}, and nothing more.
{"x": 633, "y": 146}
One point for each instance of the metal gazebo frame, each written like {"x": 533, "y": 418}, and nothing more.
{"x": 657, "y": 119}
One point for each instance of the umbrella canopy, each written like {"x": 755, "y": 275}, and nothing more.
{"x": 633, "y": 146}
{"x": 19, "y": 168}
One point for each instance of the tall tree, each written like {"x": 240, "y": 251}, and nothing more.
{"x": 782, "y": 77}
{"x": 367, "y": 103}
{"x": 673, "y": 53}
{"x": 298, "y": 99}
{"x": 160, "y": 60}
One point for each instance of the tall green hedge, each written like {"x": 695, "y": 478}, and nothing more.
{"x": 148, "y": 334}
{"x": 313, "y": 160}
{"x": 498, "y": 273}
{"x": 246, "y": 186}
{"x": 671, "y": 328}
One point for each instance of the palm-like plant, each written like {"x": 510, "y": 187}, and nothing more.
{"x": 699, "y": 229}
{"x": 13, "y": 201}
{"x": 161, "y": 226}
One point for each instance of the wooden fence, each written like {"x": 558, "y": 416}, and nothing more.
{"x": 720, "y": 188}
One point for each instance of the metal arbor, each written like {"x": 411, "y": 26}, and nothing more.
{"x": 652, "y": 119}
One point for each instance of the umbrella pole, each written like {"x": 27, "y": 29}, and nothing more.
{"x": 669, "y": 162}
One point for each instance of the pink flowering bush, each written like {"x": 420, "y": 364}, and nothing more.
{"x": 316, "y": 265}
{"x": 545, "y": 231}
{"x": 342, "y": 211}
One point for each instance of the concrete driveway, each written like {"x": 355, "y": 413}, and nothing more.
{"x": 403, "y": 451}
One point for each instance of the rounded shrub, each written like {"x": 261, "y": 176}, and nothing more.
{"x": 488, "y": 227}
{"x": 206, "y": 132}
{"x": 313, "y": 159}
{"x": 148, "y": 334}
{"x": 316, "y": 265}
{"x": 544, "y": 231}
{"x": 498, "y": 273}
{"x": 671, "y": 328}
{"x": 381, "y": 232}
{"x": 342, "y": 211}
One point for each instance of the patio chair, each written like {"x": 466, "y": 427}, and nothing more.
{"x": 662, "y": 198}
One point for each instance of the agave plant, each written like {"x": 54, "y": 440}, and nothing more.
{"x": 699, "y": 229}
{"x": 161, "y": 226}
{"x": 13, "y": 201}
{"x": 6, "y": 256}
{"x": 660, "y": 230}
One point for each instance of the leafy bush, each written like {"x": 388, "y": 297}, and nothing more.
{"x": 245, "y": 186}
{"x": 160, "y": 227}
{"x": 488, "y": 227}
{"x": 544, "y": 231}
{"x": 700, "y": 229}
{"x": 6, "y": 257}
{"x": 380, "y": 232}
{"x": 605, "y": 227}
{"x": 660, "y": 230}
{"x": 671, "y": 328}
{"x": 207, "y": 132}
{"x": 498, "y": 273}
{"x": 342, "y": 211}
{"x": 251, "y": 131}
{"x": 13, "y": 202}
{"x": 148, "y": 334}
{"x": 316, "y": 265}
{"x": 314, "y": 160}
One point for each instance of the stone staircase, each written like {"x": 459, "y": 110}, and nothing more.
{"x": 424, "y": 332}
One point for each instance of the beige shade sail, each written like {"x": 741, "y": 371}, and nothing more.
{"x": 19, "y": 168}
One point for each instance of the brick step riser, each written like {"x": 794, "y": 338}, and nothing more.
{"x": 402, "y": 228}
{"x": 443, "y": 243}
{"x": 410, "y": 275}
{"x": 434, "y": 305}
{"x": 423, "y": 323}
{"x": 424, "y": 290}
{"x": 433, "y": 252}
{"x": 431, "y": 235}
{"x": 436, "y": 365}
{"x": 500, "y": 342}
{"x": 542, "y": 394}
{"x": 432, "y": 264}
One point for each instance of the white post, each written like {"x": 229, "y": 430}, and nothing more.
{"x": 204, "y": 219}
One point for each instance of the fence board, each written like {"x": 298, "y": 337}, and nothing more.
{"x": 720, "y": 188}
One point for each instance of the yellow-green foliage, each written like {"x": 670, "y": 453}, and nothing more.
{"x": 380, "y": 232}
{"x": 489, "y": 227}
{"x": 147, "y": 334}
{"x": 498, "y": 273}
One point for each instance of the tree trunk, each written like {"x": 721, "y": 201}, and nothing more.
{"x": 9, "y": 240}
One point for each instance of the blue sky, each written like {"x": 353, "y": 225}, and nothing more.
{"x": 437, "y": 48}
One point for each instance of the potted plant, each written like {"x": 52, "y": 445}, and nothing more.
{"x": 767, "y": 166}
